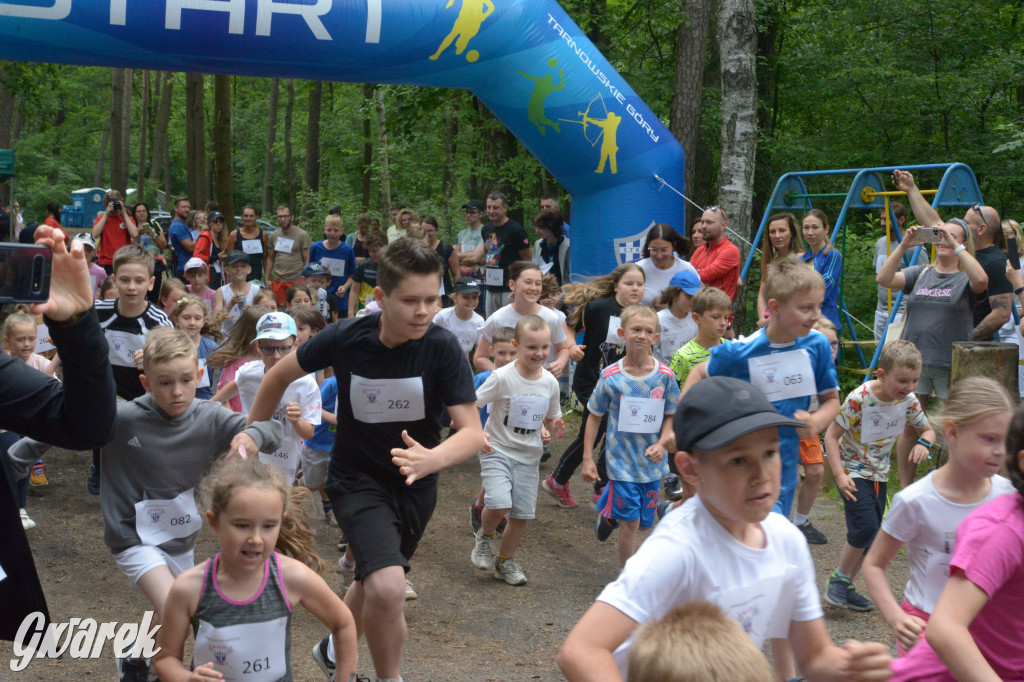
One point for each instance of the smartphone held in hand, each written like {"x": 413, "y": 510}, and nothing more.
{"x": 928, "y": 235}
{"x": 25, "y": 273}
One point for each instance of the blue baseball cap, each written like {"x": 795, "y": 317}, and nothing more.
{"x": 685, "y": 280}
{"x": 275, "y": 327}
{"x": 312, "y": 269}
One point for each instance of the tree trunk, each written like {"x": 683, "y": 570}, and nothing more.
{"x": 195, "y": 137}
{"x": 451, "y": 115}
{"x": 222, "y": 148}
{"x": 118, "y": 172}
{"x": 289, "y": 108}
{"x": 165, "y": 87}
{"x": 769, "y": 47}
{"x": 312, "y": 170}
{"x": 126, "y": 126}
{"x": 101, "y": 157}
{"x": 382, "y": 152}
{"x": 140, "y": 169}
{"x": 367, "y": 144}
{"x": 691, "y": 56}
{"x": 268, "y": 161}
{"x": 736, "y": 42}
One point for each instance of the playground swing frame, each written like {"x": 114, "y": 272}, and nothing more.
{"x": 957, "y": 188}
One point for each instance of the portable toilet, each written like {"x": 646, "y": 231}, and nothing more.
{"x": 85, "y": 205}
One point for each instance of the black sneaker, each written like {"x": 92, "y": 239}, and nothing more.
{"x": 474, "y": 517}
{"x": 673, "y": 487}
{"x": 840, "y": 592}
{"x": 92, "y": 484}
{"x": 664, "y": 508}
{"x": 604, "y": 527}
{"x": 321, "y": 658}
{"x": 132, "y": 669}
{"x": 545, "y": 454}
{"x": 342, "y": 543}
{"x": 813, "y": 535}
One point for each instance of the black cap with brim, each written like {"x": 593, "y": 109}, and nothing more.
{"x": 236, "y": 257}
{"x": 720, "y": 410}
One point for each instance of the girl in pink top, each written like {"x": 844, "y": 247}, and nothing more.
{"x": 974, "y": 631}
{"x": 237, "y": 349}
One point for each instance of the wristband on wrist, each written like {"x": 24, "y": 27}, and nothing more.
{"x": 958, "y": 250}
{"x": 926, "y": 443}
{"x": 1017, "y": 291}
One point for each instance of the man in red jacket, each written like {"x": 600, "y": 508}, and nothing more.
{"x": 718, "y": 261}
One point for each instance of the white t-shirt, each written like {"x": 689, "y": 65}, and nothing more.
{"x": 466, "y": 331}
{"x": 690, "y": 556}
{"x": 926, "y": 521}
{"x": 515, "y": 400}
{"x": 508, "y": 317}
{"x": 226, "y": 295}
{"x": 675, "y": 333}
{"x": 303, "y": 391}
{"x": 656, "y": 280}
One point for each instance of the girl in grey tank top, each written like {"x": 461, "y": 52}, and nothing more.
{"x": 239, "y": 603}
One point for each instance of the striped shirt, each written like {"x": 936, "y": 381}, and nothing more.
{"x": 124, "y": 335}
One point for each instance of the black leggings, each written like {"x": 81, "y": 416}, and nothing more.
{"x": 573, "y": 455}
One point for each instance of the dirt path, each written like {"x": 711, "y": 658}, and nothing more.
{"x": 465, "y": 626}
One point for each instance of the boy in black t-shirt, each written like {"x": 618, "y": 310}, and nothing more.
{"x": 396, "y": 373}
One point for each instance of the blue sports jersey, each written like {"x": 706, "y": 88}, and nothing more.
{"x": 344, "y": 253}
{"x": 324, "y": 433}
{"x": 478, "y": 381}
{"x": 734, "y": 360}
{"x": 206, "y": 346}
{"x": 624, "y": 451}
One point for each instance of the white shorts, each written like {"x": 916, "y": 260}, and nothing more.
{"x": 139, "y": 560}
{"x": 314, "y": 466}
{"x": 509, "y": 484}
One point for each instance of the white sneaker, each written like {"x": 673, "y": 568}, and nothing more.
{"x": 346, "y": 576}
{"x": 26, "y": 522}
{"x": 510, "y": 572}
{"x": 410, "y": 593}
{"x": 483, "y": 554}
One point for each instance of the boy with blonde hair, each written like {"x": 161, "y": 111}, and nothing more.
{"x": 524, "y": 398}
{"x": 859, "y": 444}
{"x": 696, "y": 642}
{"x": 723, "y": 544}
{"x": 636, "y": 393}
{"x": 711, "y": 310}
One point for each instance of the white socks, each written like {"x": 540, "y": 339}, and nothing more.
{"x": 799, "y": 519}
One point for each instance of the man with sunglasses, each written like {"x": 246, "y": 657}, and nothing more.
{"x": 992, "y": 310}
{"x": 718, "y": 261}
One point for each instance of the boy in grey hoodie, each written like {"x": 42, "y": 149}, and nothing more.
{"x": 163, "y": 445}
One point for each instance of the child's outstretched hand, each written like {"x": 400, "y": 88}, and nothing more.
{"x": 865, "y": 661}
{"x": 908, "y": 630}
{"x": 557, "y": 428}
{"x": 918, "y": 454}
{"x": 205, "y": 672}
{"x": 293, "y": 412}
{"x": 655, "y": 453}
{"x": 413, "y": 461}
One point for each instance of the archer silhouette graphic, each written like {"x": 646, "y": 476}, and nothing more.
{"x": 609, "y": 126}
{"x": 472, "y": 15}
{"x": 543, "y": 86}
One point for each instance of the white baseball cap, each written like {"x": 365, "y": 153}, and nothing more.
{"x": 275, "y": 327}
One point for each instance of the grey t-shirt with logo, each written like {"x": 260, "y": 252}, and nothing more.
{"x": 940, "y": 310}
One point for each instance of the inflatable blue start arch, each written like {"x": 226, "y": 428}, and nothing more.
{"x": 525, "y": 59}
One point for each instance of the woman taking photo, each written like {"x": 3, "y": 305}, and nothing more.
{"x": 940, "y": 308}
{"x": 662, "y": 257}
{"x": 825, "y": 259}
{"x": 154, "y": 240}
{"x": 781, "y": 239}
{"x": 250, "y": 239}
{"x": 553, "y": 246}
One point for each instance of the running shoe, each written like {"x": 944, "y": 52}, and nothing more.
{"x": 509, "y": 571}
{"x": 840, "y": 592}
{"x": 410, "y": 593}
{"x": 26, "y": 522}
{"x": 559, "y": 492}
{"x": 38, "y": 475}
{"x": 813, "y": 535}
{"x": 604, "y": 527}
{"x": 483, "y": 553}
{"x": 475, "y": 522}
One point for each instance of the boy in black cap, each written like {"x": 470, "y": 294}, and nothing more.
{"x": 237, "y": 293}
{"x": 723, "y": 545}
{"x": 462, "y": 318}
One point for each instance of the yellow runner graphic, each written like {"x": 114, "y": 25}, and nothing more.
{"x": 542, "y": 87}
{"x": 471, "y": 17}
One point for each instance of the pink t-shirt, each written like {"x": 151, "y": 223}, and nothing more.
{"x": 98, "y": 276}
{"x": 990, "y": 551}
{"x": 209, "y": 295}
{"x": 227, "y": 375}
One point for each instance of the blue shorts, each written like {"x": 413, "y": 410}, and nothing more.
{"x": 625, "y": 501}
{"x": 864, "y": 515}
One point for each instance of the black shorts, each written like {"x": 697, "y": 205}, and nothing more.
{"x": 864, "y": 517}
{"x": 382, "y": 522}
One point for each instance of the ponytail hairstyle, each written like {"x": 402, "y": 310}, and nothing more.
{"x": 295, "y": 539}
{"x": 578, "y": 294}
{"x": 668, "y": 233}
{"x": 239, "y": 342}
{"x": 971, "y": 399}
{"x": 209, "y": 329}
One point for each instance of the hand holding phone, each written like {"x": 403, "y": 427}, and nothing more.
{"x": 1012, "y": 254}
{"x": 25, "y": 273}
{"x": 927, "y": 235}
